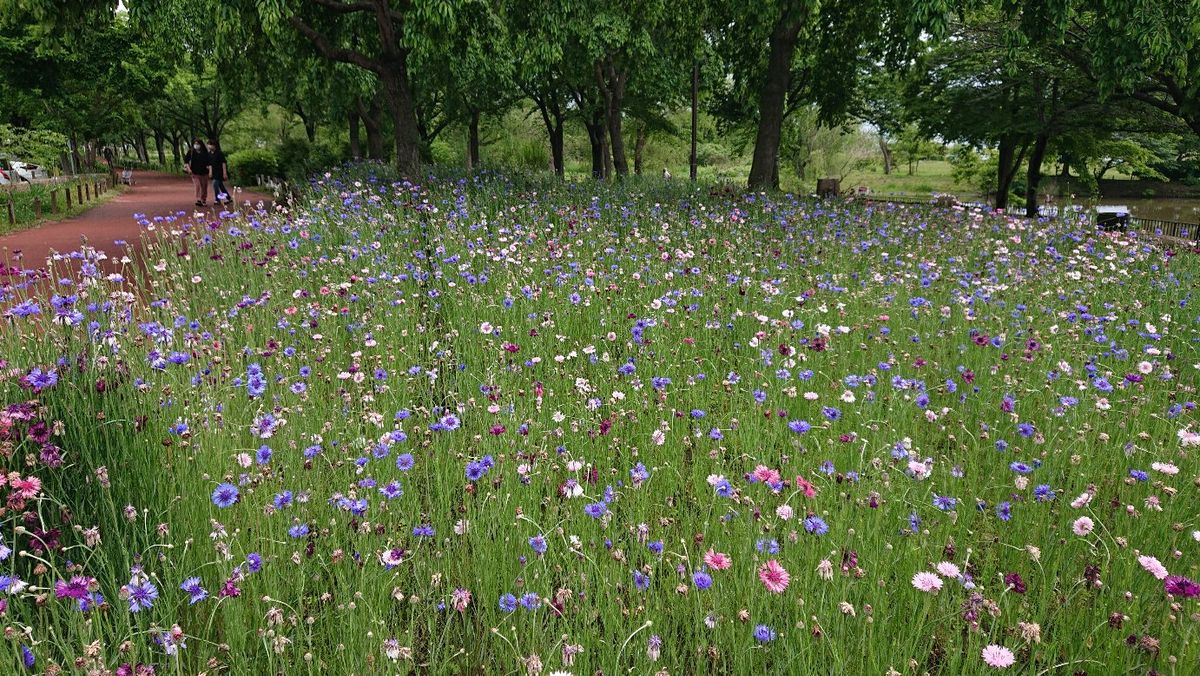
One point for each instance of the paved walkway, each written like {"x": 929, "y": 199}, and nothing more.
{"x": 152, "y": 194}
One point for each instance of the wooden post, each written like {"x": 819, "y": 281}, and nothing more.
{"x": 54, "y": 201}
{"x": 79, "y": 194}
{"x": 87, "y": 190}
{"x": 828, "y": 187}
{"x": 37, "y": 208}
{"x": 67, "y": 192}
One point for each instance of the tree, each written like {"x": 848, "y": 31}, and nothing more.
{"x": 785, "y": 53}
{"x": 378, "y": 36}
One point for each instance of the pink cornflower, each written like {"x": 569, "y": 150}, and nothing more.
{"x": 774, "y": 577}
{"x": 459, "y": 599}
{"x": 1153, "y": 566}
{"x": 717, "y": 560}
{"x": 1082, "y": 526}
{"x": 927, "y": 582}
{"x": 804, "y": 485}
{"x": 28, "y": 487}
{"x": 766, "y": 474}
{"x": 998, "y": 656}
{"x": 947, "y": 569}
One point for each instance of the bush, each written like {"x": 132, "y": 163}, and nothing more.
{"x": 247, "y": 165}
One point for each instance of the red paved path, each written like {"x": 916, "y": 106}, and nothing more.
{"x": 152, "y": 194}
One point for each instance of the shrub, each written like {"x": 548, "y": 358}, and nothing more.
{"x": 247, "y": 165}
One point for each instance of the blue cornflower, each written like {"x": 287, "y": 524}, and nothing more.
{"x": 1139, "y": 475}
{"x": 1020, "y": 467}
{"x": 508, "y": 603}
{"x": 596, "y": 509}
{"x": 224, "y": 495}
{"x": 701, "y": 579}
{"x": 192, "y": 587}
{"x": 298, "y": 531}
{"x": 1025, "y": 429}
{"x": 944, "y": 503}
{"x": 723, "y": 488}
{"x": 831, "y": 413}
{"x": 764, "y": 634}
{"x": 424, "y": 531}
{"x": 530, "y": 601}
{"x": 254, "y": 562}
{"x": 816, "y": 525}
{"x": 405, "y": 462}
{"x": 538, "y": 544}
{"x": 639, "y": 473}
{"x": 1043, "y": 493}
{"x": 475, "y": 471}
{"x": 392, "y": 490}
{"x": 1004, "y": 510}
{"x": 641, "y": 581}
{"x": 142, "y": 594}
{"x": 799, "y": 426}
{"x": 263, "y": 456}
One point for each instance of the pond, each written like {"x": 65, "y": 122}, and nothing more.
{"x": 1162, "y": 209}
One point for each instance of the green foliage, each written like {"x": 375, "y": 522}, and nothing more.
{"x": 38, "y": 146}
{"x": 443, "y": 154}
{"x": 298, "y": 159}
{"x": 247, "y": 165}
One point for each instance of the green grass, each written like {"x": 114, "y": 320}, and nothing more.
{"x": 370, "y": 275}
{"x": 26, "y": 212}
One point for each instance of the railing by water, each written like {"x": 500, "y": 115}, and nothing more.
{"x": 1170, "y": 230}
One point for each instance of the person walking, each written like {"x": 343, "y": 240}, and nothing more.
{"x": 196, "y": 165}
{"x": 218, "y": 171}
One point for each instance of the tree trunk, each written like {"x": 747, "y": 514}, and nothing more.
{"x": 404, "y": 117}
{"x": 1034, "y": 175}
{"x": 604, "y": 152}
{"x": 595, "y": 131}
{"x": 1007, "y": 149}
{"x": 772, "y": 99}
{"x": 372, "y": 124}
{"x": 693, "y": 165}
{"x": 473, "y": 141}
{"x": 310, "y": 125}
{"x": 176, "y": 155}
{"x": 143, "y": 153}
{"x": 355, "y": 140}
{"x": 612, "y": 84}
{"x": 639, "y": 147}
{"x": 886, "y": 151}
{"x": 1010, "y": 161}
{"x": 556, "y": 147}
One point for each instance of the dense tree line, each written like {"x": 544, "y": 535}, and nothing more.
{"x": 1086, "y": 82}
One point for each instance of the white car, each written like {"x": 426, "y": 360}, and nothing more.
{"x": 28, "y": 172}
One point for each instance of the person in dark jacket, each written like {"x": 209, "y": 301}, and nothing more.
{"x": 196, "y": 165}
{"x": 218, "y": 171}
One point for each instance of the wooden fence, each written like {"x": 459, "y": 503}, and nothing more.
{"x": 59, "y": 197}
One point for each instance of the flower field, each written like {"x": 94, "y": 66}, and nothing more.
{"x": 509, "y": 426}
